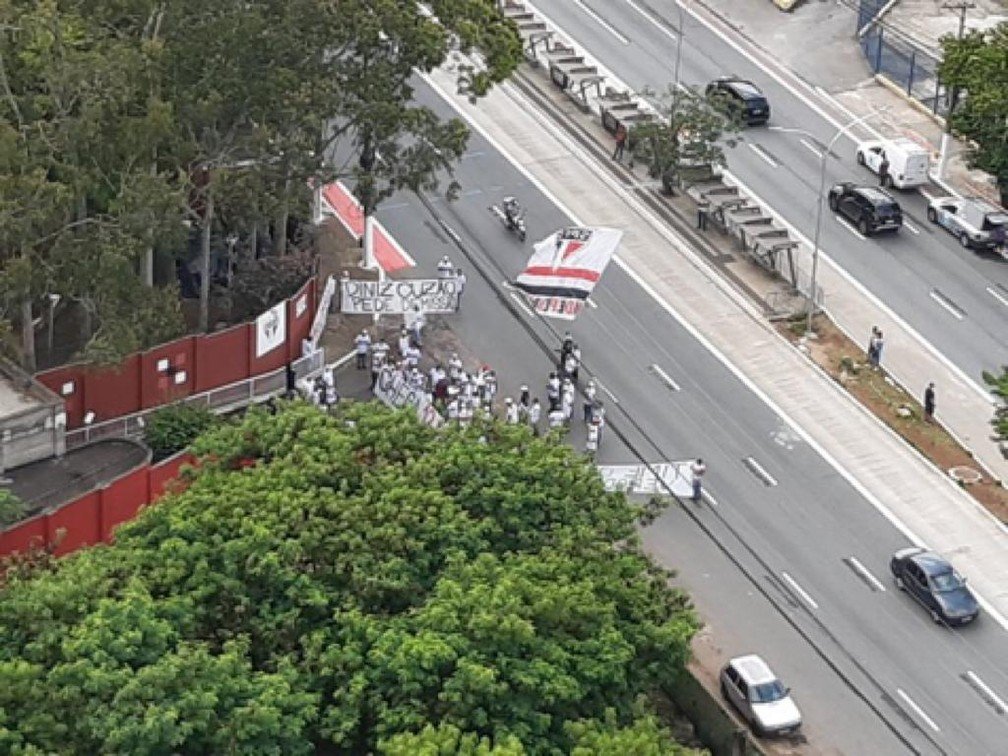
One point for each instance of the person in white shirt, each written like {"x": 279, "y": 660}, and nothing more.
{"x": 589, "y": 402}
{"x": 556, "y": 419}
{"x": 379, "y": 356}
{"x": 510, "y": 412}
{"x": 454, "y": 366}
{"x": 362, "y": 344}
{"x": 697, "y": 471}
{"x": 591, "y": 442}
{"x": 445, "y": 269}
{"x": 534, "y": 413}
{"x": 567, "y": 400}
{"x": 412, "y": 356}
{"x": 553, "y": 391}
{"x": 460, "y": 284}
{"x": 404, "y": 341}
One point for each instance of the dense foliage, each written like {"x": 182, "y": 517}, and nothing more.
{"x": 132, "y": 129}
{"x": 172, "y": 428}
{"x": 977, "y": 67}
{"x": 369, "y": 584}
{"x": 999, "y": 387}
{"x": 11, "y": 507}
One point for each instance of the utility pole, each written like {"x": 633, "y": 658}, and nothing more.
{"x": 962, "y": 6}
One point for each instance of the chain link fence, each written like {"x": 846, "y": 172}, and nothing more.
{"x": 896, "y": 57}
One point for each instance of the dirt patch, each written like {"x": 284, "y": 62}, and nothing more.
{"x": 847, "y": 363}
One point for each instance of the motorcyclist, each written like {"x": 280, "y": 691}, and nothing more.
{"x": 512, "y": 211}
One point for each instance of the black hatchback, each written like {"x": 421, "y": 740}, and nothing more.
{"x": 869, "y": 208}
{"x": 933, "y": 582}
{"x": 740, "y": 99}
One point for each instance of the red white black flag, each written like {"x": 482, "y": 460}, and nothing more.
{"x": 565, "y": 267}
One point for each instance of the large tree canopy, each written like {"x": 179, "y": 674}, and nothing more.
{"x": 126, "y": 127}
{"x": 365, "y": 584}
{"x": 977, "y": 65}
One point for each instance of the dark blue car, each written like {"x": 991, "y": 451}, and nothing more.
{"x": 931, "y": 580}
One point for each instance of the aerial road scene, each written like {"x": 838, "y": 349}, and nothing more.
{"x": 504, "y": 377}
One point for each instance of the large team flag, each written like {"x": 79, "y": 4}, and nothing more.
{"x": 565, "y": 267}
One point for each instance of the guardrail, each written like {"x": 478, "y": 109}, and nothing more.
{"x": 232, "y": 396}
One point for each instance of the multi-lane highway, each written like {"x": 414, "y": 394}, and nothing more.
{"x": 788, "y": 560}
{"x": 956, "y": 299}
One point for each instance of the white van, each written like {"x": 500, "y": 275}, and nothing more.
{"x": 908, "y": 161}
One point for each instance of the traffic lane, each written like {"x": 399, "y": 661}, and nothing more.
{"x": 804, "y": 527}
{"x": 913, "y": 274}
{"x": 637, "y": 65}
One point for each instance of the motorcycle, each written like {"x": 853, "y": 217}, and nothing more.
{"x": 516, "y": 224}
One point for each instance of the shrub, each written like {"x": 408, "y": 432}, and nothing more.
{"x": 171, "y": 429}
{"x": 12, "y": 508}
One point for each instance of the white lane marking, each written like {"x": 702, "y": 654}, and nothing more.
{"x": 917, "y": 709}
{"x": 926, "y": 194}
{"x": 947, "y": 305}
{"x": 471, "y": 193}
{"x": 601, "y": 22}
{"x": 591, "y": 303}
{"x": 997, "y": 295}
{"x": 759, "y": 471}
{"x": 867, "y": 294}
{"x": 992, "y": 698}
{"x": 911, "y": 228}
{"x": 518, "y": 301}
{"x": 799, "y": 590}
{"x": 850, "y": 228}
{"x": 865, "y": 573}
{"x": 665, "y": 377}
{"x": 609, "y": 393}
{"x": 653, "y": 21}
{"x": 762, "y": 154}
{"x": 744, "y": 379}
{"x": 707, "y": 497}
{"x": 811, "y": 147}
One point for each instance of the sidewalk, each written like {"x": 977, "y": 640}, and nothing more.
{"x": 817, "y": 42}
{"x": 901, "y": 484}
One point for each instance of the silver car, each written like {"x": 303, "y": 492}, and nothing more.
{"x": 757, "y": 694}
{"x": 977, "y": 224}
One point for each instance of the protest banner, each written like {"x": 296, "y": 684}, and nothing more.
{"x": 434, "y": 295}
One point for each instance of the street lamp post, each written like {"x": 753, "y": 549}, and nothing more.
{"x": 679, "y": 43}
{"x": 822, "y": 193}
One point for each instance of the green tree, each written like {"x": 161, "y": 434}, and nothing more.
{"x": 999, "y": 387}
{"x": 171, "y": 429}
{"x": 692, "y": 131}
{"x": 366, "y": 584}
{"x": 11, "y": 508}
{"x": 975, "y": 66}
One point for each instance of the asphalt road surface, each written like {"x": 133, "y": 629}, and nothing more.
{"x": 769, "y": 561}
{"x": 956, "y": 299}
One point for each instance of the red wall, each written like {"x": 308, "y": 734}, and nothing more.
{"x": 208, "y": 361}
{"x": 92, "y": 518}
{"x": 122, "y": 499}
{"x": 222, "y": 358}
{"x": 159, "y": 387}
{"x": 113, "y": 392}
{"x": 80, "y": 522}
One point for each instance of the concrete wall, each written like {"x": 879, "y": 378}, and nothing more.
{"x": 713, "y": 724}
{"x": 30, "y": 436}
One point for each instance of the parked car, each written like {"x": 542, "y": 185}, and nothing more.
{"x": 740, "y": 99}
{"x": 757, "y": 694}
{"x": 908, "y": 161}
{"x": 975, "y": 223}
{"x": 869, "y": 208}
{"x": 935, "y": 584}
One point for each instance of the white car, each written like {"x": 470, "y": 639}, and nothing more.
{"x": 757, "y": 694}
{"x": 908, "y": 161}
{"x": 977, "y": 224}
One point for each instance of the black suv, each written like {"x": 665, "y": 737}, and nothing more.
{"x": 740, "y": 99}
{"x": 869, "y": 208}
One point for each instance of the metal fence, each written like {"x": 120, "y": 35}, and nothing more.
{"x": 896, "y": 57}
{"x": 233, "y": 396}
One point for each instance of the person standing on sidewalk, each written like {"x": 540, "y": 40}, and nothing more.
{"x": 534, "y": 413}
{"x": 589, "y": 402}
{"x": 621, "y": 137}
{"x": 697, "y": 470}
{"x": 883, "y": 171}
{"x": 929, "y": 403}
{"x": 362, "y": 345}
{"x": 460, "y": 284}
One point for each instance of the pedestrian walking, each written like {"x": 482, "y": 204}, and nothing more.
{"x": 510, "y": 411}
{"x": 697, "y": 470}
{"x": 362, "y": 344}
{"x": 929, "y": 403}
{"x": 589, "y": 402}
{"x": 592, "y": 439}
{"x": 555, "y": 419}
{"x": 553, "y": 391}
{"x": 598, "y": 417}
{"x": 404, "y": 341}
{"x": 621, "y": 138}
{"x": 567, "y": 400}
{"x": 379, "y": 356}
{"x": 883, "y": 171}
{"x": 566, "y": 347}
{"x": 879, "y": 342}
{"x": 454, "y": 366}
{"x": 873, "y": 346}
{"x": 460, "y": 284}
{"x": 417, "y": 325}
{"x": 534, "y": 413}
{"x": 445, "y": 269}
{"x": 523, "y": 396}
